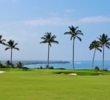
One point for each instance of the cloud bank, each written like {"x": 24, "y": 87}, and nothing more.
{"x": 95, "y": 19}
{"x": 54, "y": 21}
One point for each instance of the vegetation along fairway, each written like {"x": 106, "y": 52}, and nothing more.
{"x": 42, "y": 84}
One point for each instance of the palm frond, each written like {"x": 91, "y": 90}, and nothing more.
{"x": 79, "y": 38}
{"x": 78, "y": 31}
{"x": 7, "y": 48}
{"x": 55, "y": 42}
{"x": 0, "y": 37}
{"x": 15, "y": 44}
{"x": 99, "y": 49}
{"x": 95, "y": 45}
{"x": 17, "y": 49}
{"x": 68, "y": 33}
{"x": 3, "y": 43}
{"x": 71, "y": 27}
{"x": 43, "y": 42}
{"x": 43, "y": 38}
{"x": 6, "y": 45}
{"x": 108, "y": 39}
{"x": 53, "y": 37}
{"x": 107, "y": 43}
{"x": 90, "y": 47}
{"x": 3, "y": 40}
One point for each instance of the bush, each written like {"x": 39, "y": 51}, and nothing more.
{"x": 25, "y": 68}
{"x": 60, "y": 68}
{"x": 19, "y": 65}
{"x": 97, "y": 68}
{"x": 46, "y": 66}
{"x": 1, "y": 65}
{"x": 105, "y": 69}
{"x": 51, "y": 67}
{"x": 41, "y": 67}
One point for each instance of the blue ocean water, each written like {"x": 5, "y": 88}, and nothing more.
{"x": 78, "y": 65}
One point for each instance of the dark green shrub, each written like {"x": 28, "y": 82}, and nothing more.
{"x": 97, "y": 68}
{"x": 46, "y": 66}
{"x": 25, "y": 68}
{"x": 51, "y": 67}
{"x": 41, "y": 67}
{"x": 19, "y": 65}
{"x": 60, "y": 68}
{"x": 1, "y": 65}
{"x": 105, "y": 69}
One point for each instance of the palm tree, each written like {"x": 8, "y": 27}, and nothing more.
{"x": 48, "y": 38}
{"x": 1, "y": 65}
{"x": 8, "y": 63}
{"x": 94, "y": 45}
{"x": 11, "y": 45}
{"x": 104, "y": 41}
{"x": 19, "y": 65}
{"x": 74, "y": 32}
{"x": 2, "y": 40}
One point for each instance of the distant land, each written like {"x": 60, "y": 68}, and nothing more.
{"x": 44, "y": 62}
{"x": 29, "y": 62}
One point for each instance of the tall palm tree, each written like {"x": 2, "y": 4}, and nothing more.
{"x": 2, "y": 40}
{"x": 48, "y": 38}
{"x": 105, "y": 42}
{"x": 96, "y": 46}
{"x": 11, "y": 45}
{"x": 74, "y": 32}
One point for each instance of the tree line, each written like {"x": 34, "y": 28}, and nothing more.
{"x": 102, "y": 42}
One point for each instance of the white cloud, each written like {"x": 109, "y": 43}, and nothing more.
{"x": 95, "y": 19}
{"x": 54, "y": 14}
{"x": 54, "y": 21}
{"x": 69, "y": 10}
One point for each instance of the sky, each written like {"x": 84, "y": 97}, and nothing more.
{"x": 26, "y": 21}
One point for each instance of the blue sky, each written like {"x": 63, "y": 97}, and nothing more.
{"x": 26, "y": 21}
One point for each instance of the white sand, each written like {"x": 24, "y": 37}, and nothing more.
{"x": 2, "y": 72}
{"x": 74, "y": 74}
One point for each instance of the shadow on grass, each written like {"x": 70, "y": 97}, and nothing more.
{"x": 83, "y": 72}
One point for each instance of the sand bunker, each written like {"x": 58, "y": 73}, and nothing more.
{"x": 2, "y": 72}
{"x": 74, "y": 74}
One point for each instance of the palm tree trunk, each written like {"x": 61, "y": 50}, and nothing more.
{"x": 103, "y": 58}
{"x": 11, "y": 58}
{"x": 48, "y": 55}
{"x": 73, "y": 54}
{"x": 93, "y": 58}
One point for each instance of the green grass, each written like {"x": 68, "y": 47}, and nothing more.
{"x": 37, "y": 84}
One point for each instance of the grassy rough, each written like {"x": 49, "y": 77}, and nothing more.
{"x": 16, "y": 84}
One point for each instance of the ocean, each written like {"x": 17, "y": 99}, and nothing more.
{"x": 78, "y": 65}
